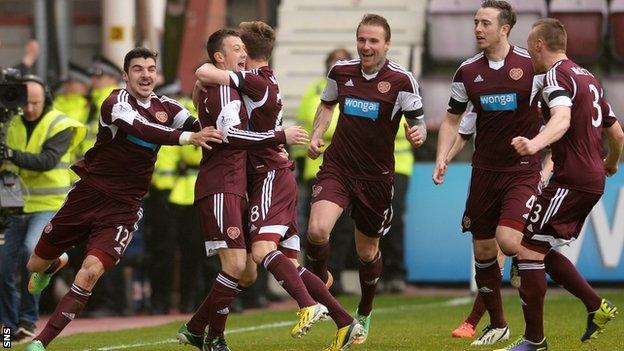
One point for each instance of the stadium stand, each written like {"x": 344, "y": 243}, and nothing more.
{"x": 527, "y": 12}
{"x": 451, "y": 29}
{"x": 307, "y": 31}
{"x": 585, "y": 22}
{"x": 616, "y": 15}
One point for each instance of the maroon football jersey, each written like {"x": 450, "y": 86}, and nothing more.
{"x": 370, "y": 113}
{"x": 501, "y": 94}
{"x": 264, "y": 107}
{"x": 223, "y": 169}
{"x": 578, "y": 155}
{"x": 121, "y": 162}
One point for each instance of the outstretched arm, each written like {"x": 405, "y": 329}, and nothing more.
{"x": 208, "y": 74}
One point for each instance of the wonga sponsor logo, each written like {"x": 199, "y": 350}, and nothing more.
{"x": 499, "y": 102}
{"x": 361, "y": 108}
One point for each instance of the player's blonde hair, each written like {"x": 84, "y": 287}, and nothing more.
{"x": 259, "y": 39}
{"x": 552, "y": 32}
{"x": 371, "y": 19}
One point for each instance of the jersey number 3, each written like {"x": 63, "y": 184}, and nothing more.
{"x": 597, "y": 122}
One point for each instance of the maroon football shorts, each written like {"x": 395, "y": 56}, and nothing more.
{"x": 557, "y": 217}
{"x": 221, "y": 220}
{"x": 273, "y": 209}
{"x": 370, "y": 200}
{"x": 498, "y": 198}
{"x": 88, "y": 215}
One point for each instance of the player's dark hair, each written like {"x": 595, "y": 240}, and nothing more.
{"x": 552, "y": 32}
{"x": 259, "y": 39}
{"x": 371, "y": 19}
{"x": 506, "y": 14}
{"x": 215, "y": 41}
{"x": 138, "y": 52}
{"x": 336, "y": 54}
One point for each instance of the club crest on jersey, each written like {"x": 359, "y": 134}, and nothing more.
{"x": 48, "y": 228}
{"x": 361, "y": 108}
{"x": 233, "y": 233}
{"x": 316, "y": 189}
{"x": 466, "y": 222}
{"x": 161, "y": 116}
{"x": 384, "y": 87}
{"x": 516, "y": 73}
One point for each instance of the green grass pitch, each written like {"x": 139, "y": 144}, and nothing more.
{"x": 399, "y": 323}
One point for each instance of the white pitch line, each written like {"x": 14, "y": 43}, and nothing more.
{"x": 452, "y": 302}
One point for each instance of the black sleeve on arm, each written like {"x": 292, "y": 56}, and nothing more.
{"x": 51, "y": 152}
{"x": 412, "y": 116}
{"x": 191, "y": 125}
{"x": 241, "y": 81}
{"x": 457, "y": 107}
{"x": 465, "y": 136}
{"x": 557, "y": 93}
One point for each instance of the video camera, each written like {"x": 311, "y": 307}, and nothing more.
{"x": 13, "y": 96}
{"x": 13, "y": 93}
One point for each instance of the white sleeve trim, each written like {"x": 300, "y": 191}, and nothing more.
{"x": 559, "y": 100}
{"x": 458, "y": 92}
{"x": 331, "y": 91}
{"x": 409, "y": 101}
{"x": 180, "y": 118}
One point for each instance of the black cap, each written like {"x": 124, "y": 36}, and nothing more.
{"x": 102, "y": 65}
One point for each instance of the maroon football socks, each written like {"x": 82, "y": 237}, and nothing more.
{"x": 562, "y": 271}
{"x": 370, "y": 272}
{"x": 532, "y": 292}
{"x": 319, "y": 292}
{"x": 478, "y": 309}
{"x": 70, "y": 305}
{"x": 214, "y": 310}
{"x": 223, "y": 292}
{"x": 288, "y": 277}
{"x": 318, "y": 255}
{"x": 488, "y": 277}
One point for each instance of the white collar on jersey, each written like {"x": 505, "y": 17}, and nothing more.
{"x": 369, "y": 76}
{"x": 496, "y": 65}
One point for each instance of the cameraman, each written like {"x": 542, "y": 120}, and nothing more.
{"x": 37, "y": 148}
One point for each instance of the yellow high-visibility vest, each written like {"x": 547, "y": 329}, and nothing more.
{"x": 45, "y": 191}
{"x": 183, "y": 192}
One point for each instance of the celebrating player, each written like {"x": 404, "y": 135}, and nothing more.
{"x": 577, "y": 114}
{"x": 272, "y": 190}
{"x": 372, "y": 93}
{"x": 105, "y": 205}
{"x": 221, "y": 188}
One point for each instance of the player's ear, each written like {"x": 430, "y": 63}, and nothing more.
{"x": 218, "y": 56}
